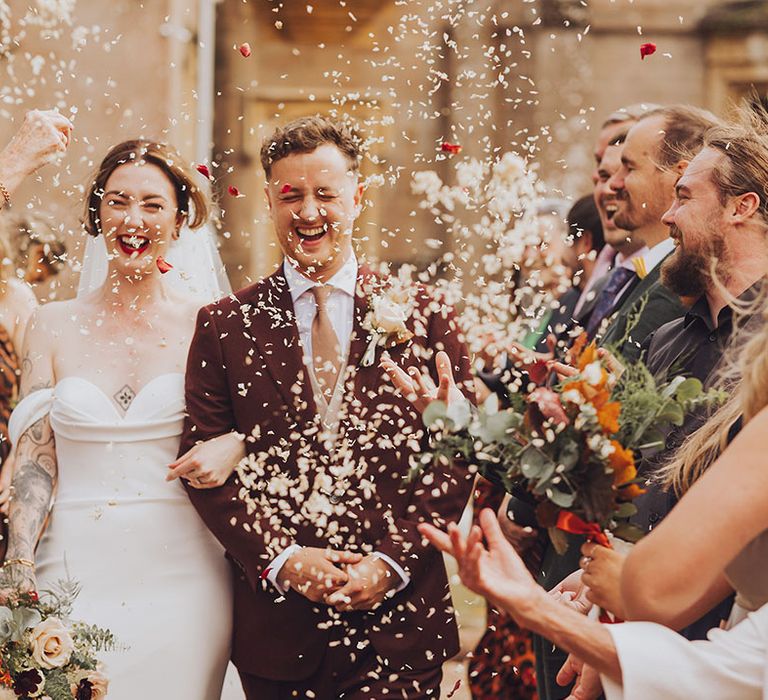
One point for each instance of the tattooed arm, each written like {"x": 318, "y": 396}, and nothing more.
{"x": 34, "y": 480}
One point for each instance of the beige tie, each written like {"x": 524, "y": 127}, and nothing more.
{"x": 326, "y": 350}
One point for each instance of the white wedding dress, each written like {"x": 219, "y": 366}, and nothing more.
{"x": 149, "y": 569}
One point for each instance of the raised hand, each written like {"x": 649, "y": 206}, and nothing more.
{"x": 370, "y": 580}
{"x": 419, "y": 388}
{"x": 497, "y": 573}
{"x": 209, "y": 464}
{"x": 315, "y": 573}
{"x": 42, "y": 137}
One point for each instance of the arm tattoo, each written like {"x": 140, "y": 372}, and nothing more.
{"x": 33, "y": 487}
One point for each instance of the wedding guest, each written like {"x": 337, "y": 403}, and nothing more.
{"x": 321, "y": 522}
{"x": 612, "y": 133}
{"x": 636, "y": 660}
{"x": 98, "y": 423}
{"x": 633, "y": 302}
{"x": 730, "y": 175}
{"x": 38, "y": 254}
{"x": 42, "y": 137}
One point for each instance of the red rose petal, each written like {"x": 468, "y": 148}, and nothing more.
{"x": 538, "y": 372}
{"x": 456, "y": 686}
{"x": 446, "y": 147}
{"x": 203, "y": 170}
{"x": 245, "y": 50}
{"x": 265, "y": 573}
{"x": 233, "y": 191}
{"x": 647, "y": 50}
{"x": 163, "y": 265}
{"x": 286, "y": 188}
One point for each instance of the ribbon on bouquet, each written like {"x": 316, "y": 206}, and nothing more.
{"x": 569, "y": 522}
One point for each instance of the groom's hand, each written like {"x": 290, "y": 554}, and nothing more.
{"x": 369, "y": 582}
{"x": 314, "y": 572}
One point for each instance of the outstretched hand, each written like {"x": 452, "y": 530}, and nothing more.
{"x": 42, "y": 137}
{"x": 496, "y": 572}
{"x": 418, "y": 388}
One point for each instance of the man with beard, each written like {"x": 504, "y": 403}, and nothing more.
{"x": 719, "y": 223}
{"x": 633, "y": 302}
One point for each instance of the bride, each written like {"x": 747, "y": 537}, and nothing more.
{"x": 96, "y": 435}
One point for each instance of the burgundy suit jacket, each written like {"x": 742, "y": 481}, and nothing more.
{"x": 245, "y": 372}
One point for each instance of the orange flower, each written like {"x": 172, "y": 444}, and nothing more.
{"x": 622, "y": 463}
{"x": 587, "y": 356}
{"x": 608, "y": 416}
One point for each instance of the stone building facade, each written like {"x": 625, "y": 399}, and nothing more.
{"x": 492, "y": 75}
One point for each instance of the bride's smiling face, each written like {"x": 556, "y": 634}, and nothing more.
{"x": 139, "y": 216}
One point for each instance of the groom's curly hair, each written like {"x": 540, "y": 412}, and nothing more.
{"x": 305, "y": 134}
{"x": 192, "y": 201}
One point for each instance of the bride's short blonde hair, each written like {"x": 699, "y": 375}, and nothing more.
{"x": 192, "y": 201}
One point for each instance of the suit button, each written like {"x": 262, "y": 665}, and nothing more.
{"x": 653, "y": 518}
{"x": 712, "y": 337}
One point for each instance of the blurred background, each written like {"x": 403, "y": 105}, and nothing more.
{"x": 531, "y": 77}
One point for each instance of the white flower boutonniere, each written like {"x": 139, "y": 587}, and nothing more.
{"x": 387, "y": 318}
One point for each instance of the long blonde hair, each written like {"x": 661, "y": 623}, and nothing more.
{"x": 744, "y": 168}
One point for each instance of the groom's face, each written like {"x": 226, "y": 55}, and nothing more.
{"x": 314, "y": 199}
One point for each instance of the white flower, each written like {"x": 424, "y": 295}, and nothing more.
{"x": 51, "y": 644}
{"x": 387, "y": 315}
{"x": 593, "y": 373}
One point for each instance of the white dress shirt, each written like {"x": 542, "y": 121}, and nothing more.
{"x": 659, "y": 663}
{"x": 341, "y": 311}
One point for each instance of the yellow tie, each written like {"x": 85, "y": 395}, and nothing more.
{"x": 326, "y": 351}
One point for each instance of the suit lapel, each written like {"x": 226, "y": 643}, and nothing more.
{"x": 275, "y": 333}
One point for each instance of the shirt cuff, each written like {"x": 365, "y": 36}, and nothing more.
{"x": 405, "y": 579}
{"x": 277, "y": 563}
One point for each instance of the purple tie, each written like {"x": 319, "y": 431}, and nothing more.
{"x": 607, "y": 299}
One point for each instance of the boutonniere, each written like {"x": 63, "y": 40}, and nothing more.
{"x": 387, "y": 319}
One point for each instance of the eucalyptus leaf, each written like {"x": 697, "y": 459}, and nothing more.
{"x": 436, "y": 411}
{"x": 496, "y": 427}
{"x": 689, "y": 390}
{"x": 24, "y": 619}
{"x": 6, "y": 624}
{"x": 569, "y": 455}
{"x": 626, "y": 510}
{"x": 561, "y": 498}
{"x": 671, "y": 389}
{"x": 533, "y": 462}
{"x": 673, "y": 413}
{"x": 460, "y": 413}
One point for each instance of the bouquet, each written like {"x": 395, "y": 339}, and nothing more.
{"x": 572, "y": 446}
{"x": 45, "y": 655}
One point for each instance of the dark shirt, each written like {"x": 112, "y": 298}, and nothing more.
{"x": 692, "y": 346}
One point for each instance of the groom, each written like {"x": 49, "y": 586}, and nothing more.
{"x": 335, "y": 593}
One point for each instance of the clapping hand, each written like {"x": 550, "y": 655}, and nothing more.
{"x": 496, "y": 572}
{"x": 419, "y": 388}
{"x": 370, "y": 580}
{"x": 315, "y": 573}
